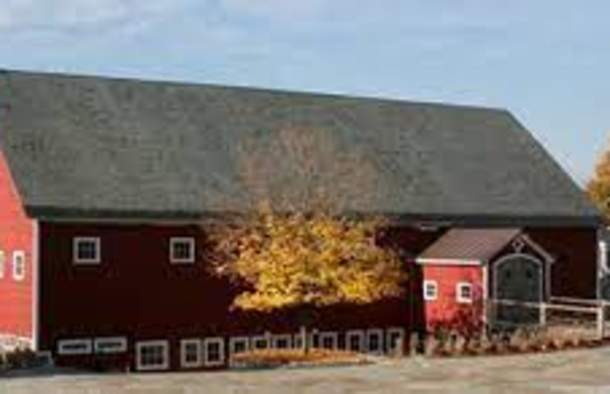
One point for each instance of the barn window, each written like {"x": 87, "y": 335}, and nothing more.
{"x": 182, "y": 250}
{"x": 260, "y": 342}
{"x": 464, "y": 292}
{"x": 328, "y": 340}
{"x": 283, "y": 341}
{"x": 214, "y": 352}
{"x": 395, "y": 337}
{"x": 86, "y": 250}
{"x": 190, "y": 353}
{"x": 374, "y": 341}
{"x": 430, "y": 290}
{"x": 2, "y": 263}
{"x": 74, "y": 346}
{"x": 152, "y": 355}
{"x": 354, "y": 340}
{"x": 239, "y": 345}
{"x": 110, "y": 345}
{"x": 18, "y": 265}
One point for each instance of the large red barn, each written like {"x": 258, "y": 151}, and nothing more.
{"x": 104, "y": 185}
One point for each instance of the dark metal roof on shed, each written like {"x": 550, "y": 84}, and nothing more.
{"x": 87, "y": 147}
{"x": 469, "y": 244}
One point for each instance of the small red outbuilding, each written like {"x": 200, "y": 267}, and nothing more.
{"x": 467, "y": 269}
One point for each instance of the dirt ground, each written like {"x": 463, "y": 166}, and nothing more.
{"x": 583, "y": 371}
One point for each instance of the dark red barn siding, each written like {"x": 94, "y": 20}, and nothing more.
{"x": 16, "y": 234}
{"x": 136, "y": 292}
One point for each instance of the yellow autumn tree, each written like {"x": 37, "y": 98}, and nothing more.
{"x": 295, "y": 247}
{"x": 598, "y": 187}
{"x": 306, "y": 260}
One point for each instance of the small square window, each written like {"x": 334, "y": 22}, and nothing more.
{"x": 18, "y": 265}
{"x": 464, "y": 292}
{"x": 152, "y": 355}
{"x": 86, "y": 250}
{"x": 214, "y": 351}
{"x": 182, "y": 250}
{"x": 190, "y": 353}
{"x": 2, "y": 263}
{"x": 430, "y": 290}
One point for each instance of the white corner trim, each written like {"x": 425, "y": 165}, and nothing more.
{"x": 74, "y": 346}
{"x": 192, "y": 250}
{"x": 163, "y": 365}
{"x": 108, "y": 345}
{"x": 97, "y": 259}
{"x": 184, "y": 345}
{"x": 221, "y": 351}
{"x": 458, "y": 292}
{"x": 430, "y": 284}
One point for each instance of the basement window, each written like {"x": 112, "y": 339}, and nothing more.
{"x": 354, "y": 340}
{"x": 374, "y": 341}
{"x": 464, "y": 293}
{"x": 110, "y": 345}
{"x": 182, "y": 250}
{"x": 86, "y": 250}
{"x": 430, "y": 290}
{"x": 18, "y": 265}
{"x": 152, "y": 355}
{"x": 74, "y": 346}
{"x": 214, "y": 352}
{"x": 190, "y": 353}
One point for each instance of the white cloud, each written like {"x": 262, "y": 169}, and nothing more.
{"x": 60, "y": 15}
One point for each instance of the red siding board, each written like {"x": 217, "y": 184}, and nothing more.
{"x": 16, "y": 234}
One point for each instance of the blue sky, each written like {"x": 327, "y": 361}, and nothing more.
{"x": 548, "y": 61}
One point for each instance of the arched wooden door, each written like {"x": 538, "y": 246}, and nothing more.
{"x": 519, "y": 278}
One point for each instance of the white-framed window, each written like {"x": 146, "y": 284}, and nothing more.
{"x": 110, "y": 345}
{"x": 260, "y": 342}
{"x": 282, "y": 341}
{"x": 19, "y": 265}
{"x": 74, "y": 346}
{"x": 2, "y": 263}
{"x": 430, "y": 290}
{"x": 354, "y": 340}
{"x": 463, "y": 292}
{"x": 152, "y": 355}
{"x": 393, "y": 337}
{"x": 86, "y": 250}
{"x": 190, "y": 353}
{"x": 328, "y": 340}
{"x": 182, "y": 250}
{"x": 214, "y": 351}
{"x": 297, "y": 342}
{"x": 239, "y": 345}
{"x": 374, "y": 341}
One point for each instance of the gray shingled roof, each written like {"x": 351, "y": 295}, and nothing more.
{"x": 90, "y": 146}
{"x": 470, "y": 244}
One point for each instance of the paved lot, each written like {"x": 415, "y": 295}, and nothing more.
{"x": 586, "y": 371}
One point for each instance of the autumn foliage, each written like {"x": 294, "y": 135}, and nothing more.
{"x": 291, "y": 260}
{"x": 598, "y": 188}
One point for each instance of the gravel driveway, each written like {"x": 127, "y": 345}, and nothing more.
{"x": 585, "y": 371}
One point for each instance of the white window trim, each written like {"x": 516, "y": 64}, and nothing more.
{"x": 378, "y": 332}
{"x": 2, "y": 263}
{"x": 19, "y": 254}
{"x": 98, "y": 251}
{"x": 63, "y": 343}
{"x": 175, "y": 240}
{"x": 281, "y": 337}
{"x": 154, "y": 367}
{"x": 434, "y": 284}
{"x": 183, "y": 359}
{"x": 361, "y": 339}
{"x": 390, "y": 333}
{"x": 221, "y": 349}
{"x": 98, "y": 344}
{"x": 234, "y": 340}
{"x": 458, "y": 292}
{"x": 333, "y": 335}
